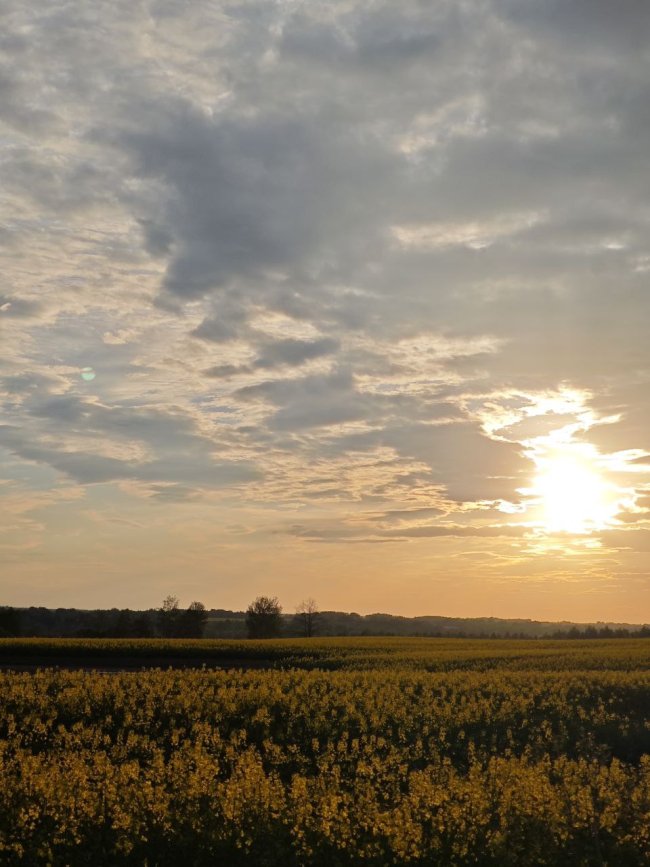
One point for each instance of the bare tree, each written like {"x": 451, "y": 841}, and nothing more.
{"x": 264, "y": 618}
{"x": 307, "y": 613}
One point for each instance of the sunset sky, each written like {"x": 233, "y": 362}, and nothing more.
{"x": 348, "y": 300}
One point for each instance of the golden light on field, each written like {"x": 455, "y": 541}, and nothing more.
{"x": 570, "y": 492}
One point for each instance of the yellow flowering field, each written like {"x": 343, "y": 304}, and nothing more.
{"x": 345, "y": 752}
{"x": 431, "y": 654}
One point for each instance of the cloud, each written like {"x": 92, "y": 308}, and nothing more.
{"x": 294, "y": 352}
{"x": 311, "y": 401}
{"x": 324, "y": 532}
{"x": 470, "y": 465}
{"x": 18, "y": 307}
{"x": 633, "y": 539}
{"x": 247, "y": 195}
{"x": 451, "y": 530}
{"x": 583, "y": 22}
{"x": 289, "y": 352}
{"x": 91, "y": 443}
{"x": 316, "y": 255}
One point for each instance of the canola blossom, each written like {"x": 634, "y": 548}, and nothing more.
{"x": 403, "y": 752}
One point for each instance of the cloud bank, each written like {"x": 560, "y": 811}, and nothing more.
{"x": 351, "y": 261}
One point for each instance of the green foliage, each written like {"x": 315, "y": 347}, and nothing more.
{"x": 419, "y": 753}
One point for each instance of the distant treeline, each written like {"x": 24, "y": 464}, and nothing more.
{"x": 195, "y": 622}
{"x": 112, "y": 623}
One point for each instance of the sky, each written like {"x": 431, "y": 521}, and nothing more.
{"x": 343, "y": 300}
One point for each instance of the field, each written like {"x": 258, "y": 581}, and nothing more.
{"x": 338, "y": 752}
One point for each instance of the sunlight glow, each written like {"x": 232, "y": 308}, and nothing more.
{"x": 572, "y": 493}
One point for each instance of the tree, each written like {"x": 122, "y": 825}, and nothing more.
{"x": 192, "y": 622}
{"x": 122, "y": 626}
{"x": 263, "y": 618}
{"x": 307, "y": 613}
{"x": 9, "y": 621}
{"x": 142, "y": 627}
{"x": 168, "y": 615}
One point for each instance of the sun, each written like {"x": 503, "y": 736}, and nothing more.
{"x": 571, "y": 493}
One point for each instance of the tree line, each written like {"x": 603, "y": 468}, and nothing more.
{"x": 265, "y": 618}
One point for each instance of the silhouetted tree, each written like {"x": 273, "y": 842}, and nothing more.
{"x": 307, "y": 614}
{"x": 9, "y": 621}
{"x": 168, "y": 616}
{"x": 123, "y": 625}
{"x": 263, "y": 618}
{"x": 191, "y": 622}
{"x": 142, "y": 627}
